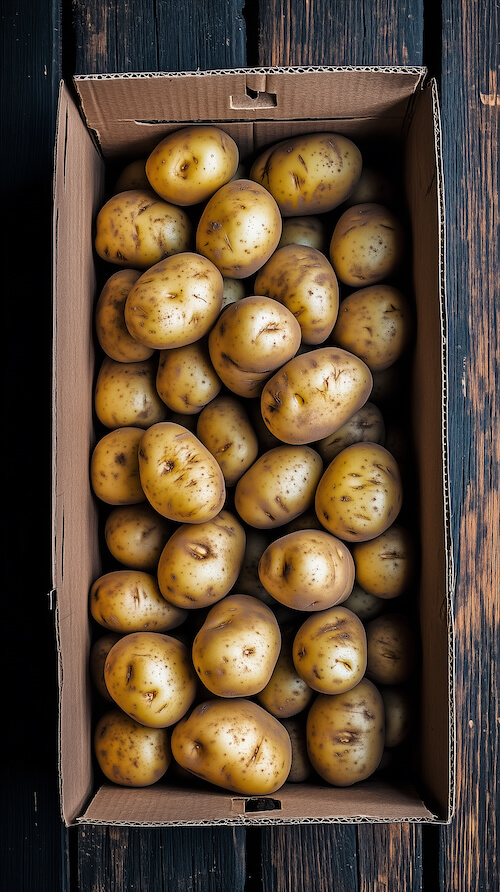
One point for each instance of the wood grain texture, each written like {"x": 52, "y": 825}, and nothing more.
{"x": 470, "y": 96}
{"x": 323, "y": 858}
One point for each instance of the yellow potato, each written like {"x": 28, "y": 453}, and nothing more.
{"x": 201, "y": 562}
{"x": 248, "y": 582}
{"x": 303, "y": 280}
{"x": 151, "y": 677}
{"x": 235, "y": 651}
{"x": 286, "y": 693}
{"x": 239, "y": 228}
{"x": 314, "y": 394}
{"x": 363, "y": 604}
{"x": 307, "y": 570}
{"x": 180, "y": 477}
{"x": 186, "y": 379}
{"x": 133, "y": 176}
{"x": 125, "y": 394}
{"x": 128, "y": 753}
{"x": 399, "y": 714}
{"x": 278, "y": 487}
{"x": 365, "y": 426}
{"x": 112, "y": 333}
{"x": 250, "y": 340}
{"x": 309, "y": 174}
{"x": 130, "y": 601}
{"x": 114, "y": 467}
{"x": 137, "y": 229}
{"x": 225, "y": 429}
{"x": 135, "y": 535}
{"x": 392, "y": 650}
{"x": 175, "y": 302}
{"x": 345, "y": 734}
{"x": 360, "y": 493}
{"x": 233, "y": 290}
{"x": 385, "y": 566}
{"x": 367, "y": 245}
{"x": 329, "y": 650}
{"x": 373, "y": 186}
{"x": 190, "y": 164}
{"x": 308, "y": 230}
{"x": 98, "y": 653}
{"x": 376, "y": 324}
{"x": 301, "y": 769}
{"x": 237, "y": 746}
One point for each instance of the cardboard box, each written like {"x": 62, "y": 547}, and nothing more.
{"x": 124, "y": 116}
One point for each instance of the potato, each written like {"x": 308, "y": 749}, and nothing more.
{"x": 130, "y": 601}
{"x": 237, "y": 746}
{"x": 385, "y": 566}
{"x": 303, "y": 280}
{"x": 373, "y": 186}
{"x": 236, "y": 649}
{"x": 137, "y": 229}
{"x": 180, "y": 477}
{"x": 186, "y": 379}
{"x": 135, "y": 535}
{"x": 151, "y": 677}
{"x": 307, "y": 570}
{"x": 360, "y": 493}
{"x": 329, "y": 650}
{"x": 112, "y": 333}
{"x": 363, "y": 604}
{"x": 399, "y": 714}
{"x": 367, "y": 245}
{"x": 309, "y": 174}
{"x": 114, "y": 467}
{"x": 190, "y": 164}
{"x": 248, "y": 582}
{"x": 225, "y": 429}
{"x": 345, "y": 734}
{"x": 175, "y": 302}
{"x": 391, "y": 644}
{"x": 133, "y": 176}
{"x": 125, "y": 394}
{"x": 250, "y": 340}
{"x": 278, "y": 487}
{"x": 233, "y": 290}
{"x": 314, "y": 394}
{"x": 365, "y": 426}
{"x": 376, "y": 324}
{"x": 286, "y": 693}
{"x": 308, "y": 230}
{"x": 201, "y": 562}
{"x": 239, "y": 228}
{"x": 98, "y": 653}
{"x": 301, "y": 769}
{"x": 128, "y": 753}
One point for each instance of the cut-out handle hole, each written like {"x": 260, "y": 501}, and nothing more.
{"x": 253, "y": 99}
{"x": 262, "y": 804}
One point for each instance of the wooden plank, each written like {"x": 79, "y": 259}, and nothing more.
{"x": 303, "y": 858}
{"x": 470, "y": 98}
{"x": 390, "y": 857}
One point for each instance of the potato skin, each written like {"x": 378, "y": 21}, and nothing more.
{"x": 130, "y": 601}
{"x": 190, "y": 164}
{"x": 303, "y": 280}
{"x": 307, "y": 570}
{"x": 367, "y": 245}
{"x": 399, "y": 714}
{"x": 237, "y": 746}
{"x": 330, "y": 651}
{"x": 201, "y": 562}
{"x": 137, "y": 229}
{"x": 309, "y": 174}
{"x": 186, "y": 380}
{"x": 391, "y": 647}
{"x": 135, "y": 535}
{"x": 114, "y": 467}
{"x": 150, "y": 676}
{"x": 365, "y": 426}
{"x": 180, "y": 477}
{"x": 125, "y": 394}
{"x": 286, "y": 693}
{"x": 385, "y": 565}
{"x": 309, "y": 230}
{"x": 314, "y": 394}
{"x": 128, "y": 753}
{"x": 236, "y": 649}
{"x": 239, "y": 228}
{"x": 174, "y": 302}
{"x": 278, "y": 487}
{"x": 98, "y": 653}
{"x": 112, "y": 333}
{"x": 375, "y": 323}
{"x": 225, "y": 429}
{"x": 360, "y": 493}
{"x": 345, "y": 734}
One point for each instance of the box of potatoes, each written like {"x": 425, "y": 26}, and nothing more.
{"x": 252, "y": 561}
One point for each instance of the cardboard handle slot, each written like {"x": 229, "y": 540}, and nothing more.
{"x": 261, "y": 804}
{"x": 253, "y": 99}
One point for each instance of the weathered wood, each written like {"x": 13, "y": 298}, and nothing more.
{"x": 390, "y": 857}
{"x": 470, "y": 96}
{"x": 323, "y": 858}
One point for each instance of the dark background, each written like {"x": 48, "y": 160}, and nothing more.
{"x": 44, "y": 41}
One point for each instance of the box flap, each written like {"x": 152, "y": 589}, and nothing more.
{"x": 131, "y": 112}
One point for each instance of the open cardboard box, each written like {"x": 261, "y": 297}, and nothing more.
{"x": 122, "y": 117}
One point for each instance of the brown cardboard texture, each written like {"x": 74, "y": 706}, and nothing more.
{"x": 119, "y": 117}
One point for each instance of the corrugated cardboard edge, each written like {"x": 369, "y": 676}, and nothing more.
{"x": 418, "y": 70}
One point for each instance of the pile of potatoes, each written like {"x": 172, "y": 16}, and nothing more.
{"x": 251, "y": 624}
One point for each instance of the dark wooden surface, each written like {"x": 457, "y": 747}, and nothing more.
{"x": 41, "y": 41}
